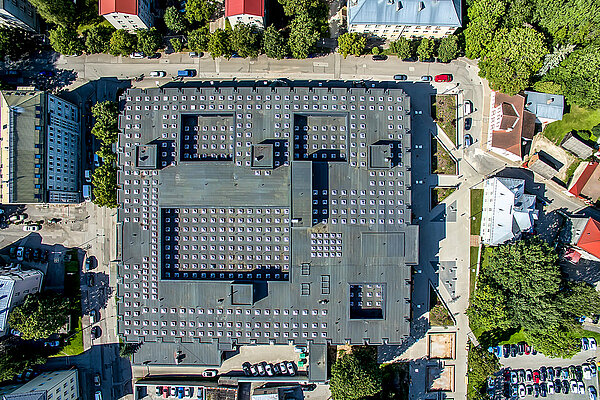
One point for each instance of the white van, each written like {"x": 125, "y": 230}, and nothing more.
{"x": 468, "y": 107}
{"x": 96, "y": 160}
{"x": 88, "y": 175}
{"x": 98, "y": 395}
{"x": 87, "y": 192}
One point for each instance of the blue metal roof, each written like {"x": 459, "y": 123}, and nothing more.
{"x": 545, "y": 105}
{"x": 405, "y": 12}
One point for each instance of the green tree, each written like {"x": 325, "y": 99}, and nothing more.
{"x": 293, "y": 8}
{"x": 176, "y": 44}
{"x": 198, "y": 39}
{"x": 105, "y": 152}
{"x": 547, "y": 87}
{"x": 66, "y": 41}
{"x": 273, "y": 44}
{"x": 303, "y": 36}
{"x": 553, "y": 60}
{"x": 513, "y": 59}
{"x": 578, "y": 76}
{"x": 403, "y": 48}
{"x": 41, "y": 315}
{"x": 122, "y": 43}
{"x": 448, "y": 49}
{"x": 487, "y": 310}
{"x": 175, "y": 20}
{"x": 149, "y": 40}
{"x": 519, "y": 13}
{"x": 351, "y": 43}
{"x": 481, "y": 365}
{"x": 484, "y": 18}
{"x": 97, "y": 39}
{"x": 355, "y": 375}
{"x": 57, "y": 12}
{"x": 556, "y": 342}
{"x": 104, "y": 182}
{"x": 219, "y": 44}
{"x": 569, "y": 21}
{"x": 106, "y": 116}
{"x": 426, "y": 49}
{"x": 245, "y": 40}
{"x": 199, "y": 10}
{"x": 15, "y": 43}
{"x": 578, "y": 299}
{"x": 16, "y": 357}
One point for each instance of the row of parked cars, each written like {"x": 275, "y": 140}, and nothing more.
{"x": 544, "y": 389}
{"x": 267, "y": 369}
{"x": 22, "y": 253}
{"x": 551, "y": 380}
{"x": 179, "y": 392}
{"x": 512, "y": 350}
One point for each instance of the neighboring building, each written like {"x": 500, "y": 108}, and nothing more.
{"x": 546, "y": 107}
{"x": 15, "y": 285}
{"x": 507, "y": 210}
{"x": 586, "y": 181}
{"x": 55, "y": 385}
{"x": 511, "y": 127}
{"x": 585, "y": 239}
{"x": 575, "y": 145}
{"x": 41, "y": 139}
{"x": 246, "y": 12}
{"x": 540, "y": 166}
{"x": 19, "y": 14}
{"x": 130, "y": 15}
{"x": 287, "y": 208}
{"x": 391, "y": 19}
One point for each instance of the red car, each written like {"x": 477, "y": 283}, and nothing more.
{"x": 536, "y": 376}
{"x": 443, "y": 78}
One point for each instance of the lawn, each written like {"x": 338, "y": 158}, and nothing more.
{"x": 439, "y": 194}
{"x": 75, "y": 345}
{"x": 515, "y": 338}
{"x": 571, "y": 171}
{"x": 441, "y": 161}
{"x": 474, "y": 253}
{"x": 443, "y": 112}
{"x": 578, "y": 119}
{"x": 476, "y": 210}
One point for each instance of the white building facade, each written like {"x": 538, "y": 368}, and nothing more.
{"x": 130, "y": 15}
{"x": 15, "y": 285}
{"x": 56, "y": 385}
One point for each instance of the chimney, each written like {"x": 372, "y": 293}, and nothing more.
{"x": 550, "y": 100}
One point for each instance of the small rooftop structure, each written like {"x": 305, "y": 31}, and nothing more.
{"x": 586, "y": 181}
{"x": 147, "y": 156}
{"x": 507, "y": 210}
{"x": 546, "y": 107}
{"x": 511, "y": 128}
{"x": 573, "y": 143}
{"x": 262, "y": 156}
{"x": 539, "y": 165}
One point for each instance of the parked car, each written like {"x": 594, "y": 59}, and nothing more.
{"x": 592, "y": 343}
{"x": 89, "y": 263}
{"x": 136, "y": 55}
{"x": 308, "y": 387}
{"x": 52, "y": 343}
{"x": 210, "y": 373}
{"x": 543, "y": 389}
{"x": 15, "y": 332}
{"x": 380, "y": 57}
{"x": 574, "y": 386}
{"x": 585, "y": 344}
{"x": 528, "y": 376}
{"x": 468, "y": 124}
{"x": 443, "y": 78}
{"x": 96, "y": 332}
{"x": 194, "y": 54}
{"x": 254, "y": 370}
{"x": 565, "y": 386}
{"x": 513, "y": 350}
{"x": 97, "y": 382}
{"x": 246, "y": 369}
{"x": 592, "y": 393}
{"x": 12, "y": 252}
{"x": 28, "y": 254}
{"x": 536, "y": 376}
{"x": 93, "y": 316}
{"x": 269, "y": 369}
{"x": 550, "y": 387}
{"x": 426, "y": 78}
{"x": 527, "y": 347}
{"x": 543, "y": 374}
{"x": 276, "y": 369}
{"x": 587, "y": 373}
{"x": 37, "y": 254}
{"x": 45, "y": 256}
{"x": 291, "y": 369}
{"x": 506, "y": 350}
{"x": 400, "y": 77}
{"x": 166, "y": 391}
{"x": 186, "y": 73}
{"x": 261, "y": 369}
{"x": 158, "y": 74}
{"x": 173, "y": 391}
{"x": 557, "y": 386}
{"x": 468, "y": 107}
{"x": 32, "y": 228}
{"x": 580, "y": 387}
{"x": 283, "y": 368}
{"x": 550, "y": 374}
{"x": 20, "y": 253}
{"x": 180, "y": 392}
{"x": 188, "y": 391}
{"x": 88, "y": 175}
{"x": 522, "y": 392}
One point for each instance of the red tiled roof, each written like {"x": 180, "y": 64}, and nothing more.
{"x": 580, "y": 183}
{"x": 590, "y": 238}
{"x": 250, "y": 7}
{"x": 572, "y": 255}
{"x": 513, "y": 113}
{"x": 120, "y": 6}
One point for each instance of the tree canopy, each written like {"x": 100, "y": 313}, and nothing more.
{"x": 448, "y": 48}
{"x": 97, "y": 39}
{"x": 481, "y": 365}
{"x": 14, "y": 43}
{"x": 245, "y": 40}
{"x": 297, "y": 7}
{"x": 426, "y": 49}
{"x": 198, "y": 39}
{"x": 174, "y": 20}
{"x": 520, "y": 288}
{"x": 41, "y": 315}
{"x": 106, "y": 116}
{"x": 303, "y": 36}
{"x": 274, "y": 44}
{"x": 66, "y": 41}
{"x": 199, "y": 10}
{"x": 513, "y": 58}
{"x": 149, "y": 40}
{"x": 351, "y": 43}
{"x": 403, "y": 48}
{"x": 58, "y": 12}
{"x": 15, "y": 358}
{"x": 104, "y": 181}
{"x": 219, "y": 44}
{"x": 355, "y": 375}
{"x": 122, "y": 43}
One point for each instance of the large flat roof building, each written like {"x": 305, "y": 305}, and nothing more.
{"x": 264, "y": 215}
{"x": 15, "y": 285}
{"x": 40, "y": 151}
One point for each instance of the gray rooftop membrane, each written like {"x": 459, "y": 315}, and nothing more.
{"x": 277, "y": 249}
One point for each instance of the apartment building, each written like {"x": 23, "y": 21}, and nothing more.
{"x": 19, "y": 14}
{"x": 40, "y": 149}
{"x": 130, "y": 15}
{"x": 55, "y": 385}
{"x": 392, "y": 19}
{"x": 250, "y": 12}
{"x": 15, "y": 285}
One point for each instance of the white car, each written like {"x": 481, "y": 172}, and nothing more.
{"x": 580, "y": 387}
{"x": 209, "y": 373}
{"x": 269, "y": 369}
{"x": 587, "y": 373}
{"x": 522, "y": 391}
{"x": 550, "y": 387}
{"x": 592, "y": 342}
{"x": 31, "y": 228}
{"x": 592, "y": 392}
{"x": 136, "y": 55}
{"x": 158, "y": 74}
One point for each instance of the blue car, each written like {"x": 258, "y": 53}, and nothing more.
{"x": 180, "y": 392}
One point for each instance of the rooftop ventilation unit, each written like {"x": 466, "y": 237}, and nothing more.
{"x": 421, "y": 5}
